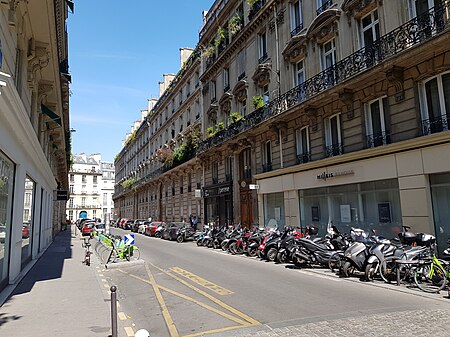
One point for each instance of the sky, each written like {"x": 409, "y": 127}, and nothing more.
{"x": 118, "y": 51}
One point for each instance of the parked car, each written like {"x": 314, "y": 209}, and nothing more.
{"x": 87, "y": 228}
{"x": 170, "y": 232}
{"x": 25, "y": 230}
{"x": 100, "y": 228}
{"x": 152, "y": 227}
{"x": 136, "y": 224}
{"x": 128, "y": 224}
{"x": 2, "y": 233}
{"x": 121, "y": 223}
{"x": 142, "y": 228}
{"x": 161, "y": 228}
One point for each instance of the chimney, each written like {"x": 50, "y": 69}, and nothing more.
{"x": 184, "y": 55}
{"x": 151, "y": 103}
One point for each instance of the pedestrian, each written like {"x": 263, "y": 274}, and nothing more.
{"x": 194, "y": 222}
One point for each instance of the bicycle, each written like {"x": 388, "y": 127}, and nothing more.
{"x": 87, "y": 255}
{"x": 430, "y": 275}
{"x": 121, "y": 251}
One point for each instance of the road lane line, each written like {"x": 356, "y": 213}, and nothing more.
{"x": 212, "y": 298}
{"x": 129, "y": 331}
{"x": 201, "y": 281}
{"x": 121, "y": 316}
{"x": 206, "y": 306}
{"x": 218, "y": 330}
{"x": 169, "y": 322}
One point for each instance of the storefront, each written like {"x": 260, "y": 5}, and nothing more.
{"x": 440, "y": 193}
{"x": 218, "y": 204}
{"x": 274, "y": 211}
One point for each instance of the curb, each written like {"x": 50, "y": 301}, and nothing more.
{"x": 124, "y": 264}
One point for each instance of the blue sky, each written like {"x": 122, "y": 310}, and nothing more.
{"x": 118, "y": 51}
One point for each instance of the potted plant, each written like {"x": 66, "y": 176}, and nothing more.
{"x": 235, "y": 24}
{"x": 258, "y": 102}
{"x": 235, "y": 117}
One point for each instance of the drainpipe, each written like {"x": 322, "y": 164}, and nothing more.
{"x": 281, "y": 148}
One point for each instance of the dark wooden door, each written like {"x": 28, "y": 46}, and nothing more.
{"x": 246, "y": 209}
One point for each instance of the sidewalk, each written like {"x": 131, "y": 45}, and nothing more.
{"x": 59, "y": 296}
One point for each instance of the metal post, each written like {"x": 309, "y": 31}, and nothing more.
{"x": 113, "y": 311}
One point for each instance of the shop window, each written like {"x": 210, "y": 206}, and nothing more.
{"x": 371, "y": 205}
{"x": 440, "y": 194}
{"x": 28, "y": 220}
{"x": 333, "y": 140}
{"x": 377, "y": 126}
{"x": 435, "y": 104}
{"x": 302, "y": 145}
{"x": 267, "y": 156}
{"x": 6, "y": 201}
{"x": 274, "y": 213}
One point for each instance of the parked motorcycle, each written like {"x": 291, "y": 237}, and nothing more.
{"x": 185, "y": 233}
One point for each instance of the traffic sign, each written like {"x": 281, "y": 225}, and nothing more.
{"x": 128, "y": 239}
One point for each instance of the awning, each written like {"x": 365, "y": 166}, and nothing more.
{"x": 53, "y": 116}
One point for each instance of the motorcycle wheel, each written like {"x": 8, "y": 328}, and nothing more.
{"x": 252, "y": 252}
{"x": 346, "y": 269}
{"x": 299, "y": 263}
{"x": 335, "y": 261}
{"x": 158, "y": 235}
{"x": 272, "y": 254}
{"x": 282, "y": 257}
{"x": 388, "y": 270}
{"x": 180, "y": 238}
{"x": 232, "y": 248}
{"x": 199, "y": 243}
{"x": 223, "y": 245}
{"x": 216, "y": 245}
{"x": 370, "y": 271}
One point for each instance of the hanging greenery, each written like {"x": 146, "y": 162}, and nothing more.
{"x": 235, "y": 23}
{"x": 221, "y": 35}
{"x": 128, "y": 183}
{"x": 209, "y": 51}
{"x": 236, "y": 117}
{"x": 258, "y": 102}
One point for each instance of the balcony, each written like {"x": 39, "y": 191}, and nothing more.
{"x": 334, "y": 150}
{"x": 303, "y": 158}
{"x": 324, "y": 7}
{"x": 255, "y": 9}
{"x": 406, "y": 36}
{"x": 267, "y": 167}
{"x": 378, "y": 139}
{"x": 297, "y": 30}
{"x": 435, "y": 124}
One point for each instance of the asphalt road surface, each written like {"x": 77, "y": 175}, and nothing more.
{"x": 185, "y": 290}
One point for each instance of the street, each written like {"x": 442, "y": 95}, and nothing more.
{"x": 185, "y": 290}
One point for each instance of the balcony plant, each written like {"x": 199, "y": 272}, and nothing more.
{"x": 128, "y": 183}
{"x": 258, "y": 102}
{"x": 209, "y": 51}
{"x": 221, "y": 35}
{"x": 235, "y": 117}
{"x": 235, "y": 24}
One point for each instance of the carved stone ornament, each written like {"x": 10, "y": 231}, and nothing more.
{"x": 225, "y": 102}
{"x": 395, "y": 77}
{"x": 261, "y": 77}
{"x": 44, "y": 89}
{"x": 324, "y": 27}
{"x": 346, "y": 97}
{"x": 213, "y": 109}
{"x": 359, "y": 8}
{"x": 240, "y": 91}
{"x": 295, "y": 50}
{"x": 311, "y": 113}
{"x": 38, "y": 58}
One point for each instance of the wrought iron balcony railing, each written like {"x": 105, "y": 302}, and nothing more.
{"x": 435, "y": 124}
{"x": 263, "y": 58}
{"x": 334, "y": 150}
{"x": 228, "y": 177}
{"x": 255, "y": 9}
{"x": 378, "y": 139}
{"x": 303, "y": 158}
{"x": 267, "y": 167}
{"x": 406, "y": 36}
{"x": 297, "y": 30}
{"x": 324, "y": 7}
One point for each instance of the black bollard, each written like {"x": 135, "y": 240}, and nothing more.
{"x": 114, "y": 311}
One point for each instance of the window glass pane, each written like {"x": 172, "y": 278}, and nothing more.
{"x": 28, "y": 220}
{"x": 446, "y": 90}
{"x": 376, "y": 118}
{"x": 431, "y": 89}
{"x": 274, "y": 214}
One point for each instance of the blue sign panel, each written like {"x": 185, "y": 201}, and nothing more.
{"x": 83, "y": 215}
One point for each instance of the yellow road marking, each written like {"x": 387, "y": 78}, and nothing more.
{"x": 212, "y": 298}
{"x": 169, "y": 322}
{"x": 106, "y": 286}
{"x": 121, "y": 316}
{"x": 201, "y": 281}
{"x": 206, "y": 306}
{"x": 129, "y": 331}
{"x": 104, "y": 280}
{"x": 101, "y": 275}
{"x": 219, "y": 330}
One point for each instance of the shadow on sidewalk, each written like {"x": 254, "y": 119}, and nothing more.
{"x": 50, "y": 264}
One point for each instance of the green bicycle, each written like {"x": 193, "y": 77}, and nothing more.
{"x": 431, "y": 275}
{"x": 120, "y": 251}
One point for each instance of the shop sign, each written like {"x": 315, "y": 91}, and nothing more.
{"x": 62, "y": 195}
{"x": 223, "y": 190}
{"x": 211, "y": 192}
{"x": 253, "y": 187}
{"x": 327, "y": 175}
{"x": 198, "y": 193}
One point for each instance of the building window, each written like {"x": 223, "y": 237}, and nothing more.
{"x": 435, "y": 104}
{"x": 245, "y": 164}
{"x": 188, "y": 88}
{"x": 377, "y": 128}
{"x": 265, "y": 93}
{"x": 181, "y": 185}
{"x": 71, "y": 202}
{"x": 94, "y": 179}
{"x": 274, "y": 213}
{"x": 197, "y": 79}
{"x": 215, "y": 172}
{"x": 323, "y": 5}
{"x": 226, "y": 79}
{"x": 188, "y": 117}
{"x": 72, "y": 178}
{"x": 262, "y": 47}
{"x": 241, "y": 64}
{"x": 302, "y": 145}
{"x": 94, "y": 213}
{"x": 333, "y": 140}
{"x": 83, "y": 202}
{"x": 299, "y": 73}
{"x": 189, "y": 182}
{"x": 83, "y": 178}
{"x": 71, "y": 215}
{"x": 213, "y": 93}
{"x": 71, "y": 188}
{"x": 105, "y": 199}
{"x": 296, "y": 17}
{"x": 229, "y": 168}
{"x": 242, "y": 106}
{"x": 181, "y": 123}
{"x": 267, "y": 156}
{"x": 83, "y": 189}
{"x": 370, "y": 29}
{"x": 197, "y": 109}
{"x": 328, "y": 54}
